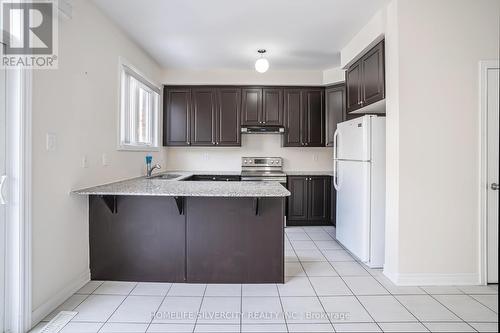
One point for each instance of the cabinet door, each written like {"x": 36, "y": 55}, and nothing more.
{"x": 298, "y": 200}
{"x": 176, "y": 128}
{"x": 228, "y": 117}
{"x": 314, "y": 112}
{"x": 335, "y": 110}
{"x": 251, "y": 106}
{"x": 373, "y": 82}
{"x": 319, "y": 198}
{"x": 272, "y": 106}
{"x": 293, "y": 118}
{"x": 353, "y": 85}
{"x": 203, "y": 117}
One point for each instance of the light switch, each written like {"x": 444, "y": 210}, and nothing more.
{"x": 104, "y": 159}
{"x": 51, "y": 142}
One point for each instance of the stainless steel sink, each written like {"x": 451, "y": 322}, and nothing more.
{"x": 167, "y": 176}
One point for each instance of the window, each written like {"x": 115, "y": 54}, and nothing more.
{"x": 139, "y": 111}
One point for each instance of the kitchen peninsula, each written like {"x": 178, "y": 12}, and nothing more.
{"x": 180, "y": 230}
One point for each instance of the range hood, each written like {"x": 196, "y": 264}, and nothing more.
{"x": 262, "y": 130}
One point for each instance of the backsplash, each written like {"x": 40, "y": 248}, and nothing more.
{"x": 229, "y": 159}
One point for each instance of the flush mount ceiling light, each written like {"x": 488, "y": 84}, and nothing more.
{"x": 261, "y": 65}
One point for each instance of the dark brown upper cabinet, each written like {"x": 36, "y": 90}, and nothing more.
{"x": 202, "y": 116}
{"x": 203, "y": 129}
{"x": 272, "y": 106}
{"x": 310, "y": 200}
{"x": 293, "y": 115}
{"x": 314, "y": 112}
{"x": 262, "y": 107}
{"x": 304, "y": 117}
{"x": 251, "y": 106}
{"x": 177, "y": 114}
{"x": 335, "y": 108}
{"x": 228, "y": 117}
{"x": 365, "y": 79}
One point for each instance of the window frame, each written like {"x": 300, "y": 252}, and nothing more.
{"x": 125, "y": 69}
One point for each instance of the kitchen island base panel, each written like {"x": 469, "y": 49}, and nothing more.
{"x": 143, "y": 241}
{"x": 228, "y": 243}
{"x": 214, "y": 240}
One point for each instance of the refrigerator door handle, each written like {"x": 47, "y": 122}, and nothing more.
{"x": 335, "y": 176}
{"x": 335, "y": 136}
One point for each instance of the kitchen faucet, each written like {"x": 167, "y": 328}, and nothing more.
{"x": 149, "y": 170}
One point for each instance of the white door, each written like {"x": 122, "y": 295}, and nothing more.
{"x": 493, "y": 181}
{"x": 353, "y": 139}
{"x": 3, "y": 137}
{"x": 353, "y": 207}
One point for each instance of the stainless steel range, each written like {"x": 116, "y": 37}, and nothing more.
{"x": 262, "y": 169}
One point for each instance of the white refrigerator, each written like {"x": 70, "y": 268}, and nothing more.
{"x": 359, "y": 179}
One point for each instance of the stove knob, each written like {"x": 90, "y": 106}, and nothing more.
{"x": 272, "y": 162}
{"x": 245, "y": 161}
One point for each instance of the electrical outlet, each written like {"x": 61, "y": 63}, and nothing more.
{"x": 104, "y": 159}
{"x": 315, "y": 157}
{"x": 206, "y": 157}
{"x": 85, "y": 162}
{"x": 51, "y": 142}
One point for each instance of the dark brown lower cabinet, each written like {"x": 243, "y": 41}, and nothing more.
{"x": 310, "y": 200}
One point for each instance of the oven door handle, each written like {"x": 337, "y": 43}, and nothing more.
{"x": 263, "y": 178}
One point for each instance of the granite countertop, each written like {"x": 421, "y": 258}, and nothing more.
{"x": 309, "y": 173}
{"x": 159, "y": 187}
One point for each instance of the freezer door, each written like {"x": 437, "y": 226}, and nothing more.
{"x": 353, "y": 139}
{"x": 353, "y": 207}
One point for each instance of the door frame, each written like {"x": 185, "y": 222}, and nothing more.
{"x": 484, "y": 66}
{"x": 18, "y": 292}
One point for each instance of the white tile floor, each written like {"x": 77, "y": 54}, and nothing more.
{"x": 326, "y": 290}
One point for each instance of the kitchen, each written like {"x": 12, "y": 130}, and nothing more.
{"x": 187, "y": 176}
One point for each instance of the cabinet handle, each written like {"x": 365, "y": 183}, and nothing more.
{"x": 216, "y": 143}
{"x": 188, "y": 142}
{"x": 263, "y": 122}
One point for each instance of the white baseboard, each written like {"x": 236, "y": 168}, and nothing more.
{"x": 417, "y": 279}
{"x": 52, "y": 303}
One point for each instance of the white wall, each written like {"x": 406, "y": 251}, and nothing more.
{"x": 333, "y": 75}
{"x": 368, "y": 36}
{"x": 229, "y": 159}
{"x": 79, "y": 104}
{"x": 433, "y": 110}
{"x": 243, "y": 77}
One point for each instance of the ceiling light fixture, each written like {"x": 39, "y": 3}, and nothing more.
{"x": 261, "y": 65}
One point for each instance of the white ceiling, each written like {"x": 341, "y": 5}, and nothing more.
{"x": 225, "y": 34}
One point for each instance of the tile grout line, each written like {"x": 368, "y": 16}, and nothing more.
{"x": 353, "y": 295}
{"x": 278, "y": 289}
{"x": 432, "y": 296}
{"x": 241, "y": 307}
{"x": 111, "y": 315}
{"x": 312, "y": 286}
{"x": 472, "y": 296}
{"x": 159, "y": 306}
{"x": 199, "y": 309}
